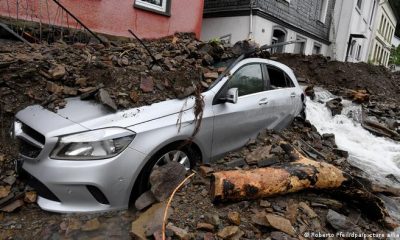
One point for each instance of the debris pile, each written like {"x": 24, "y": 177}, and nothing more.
{"x": 126, "y": 74}
{"x": 291, "y": 216}
{"x": 123, "y": 75}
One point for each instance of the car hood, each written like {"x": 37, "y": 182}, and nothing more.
{"x": 93, "y": 115}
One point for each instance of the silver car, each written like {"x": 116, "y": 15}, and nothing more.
{"x": 86, "y": 159}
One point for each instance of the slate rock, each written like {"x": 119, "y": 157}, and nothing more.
{"x": 258, "y": 154}
{"x": 165, "y": 179}
{"x": 228, "y": 232}
{"x": 91, "y": 225}
{"x": 234, "y": 218}
{"x": 145, "y": 200}
{"x": 268, "y": 161}
{"x": 205, "y": 226}
{"x": 238, "y": 162}
{"x": 146, "y": 84}
{"x": 281, "y": 236}
{"x": 105, "y": 98}
{"x": 280, "y": 223}
{"x": 341, "y": 222}
{"x": 180, "y": 233}
{"x": 335, "y": 106}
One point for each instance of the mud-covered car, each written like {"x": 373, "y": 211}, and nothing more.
{"x": 84, "y": 158}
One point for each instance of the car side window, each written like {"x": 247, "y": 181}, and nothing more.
{"x": 248, "y": 80}
{"x": 278, "y": 78}
{"x": 289, "y": 81}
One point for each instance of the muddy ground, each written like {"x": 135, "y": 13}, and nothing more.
{"x": 48, "y": 73}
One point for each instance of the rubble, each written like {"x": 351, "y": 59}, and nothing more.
{"x": 335, "y": 106}
{"x": 165, "y": 179}
{"x": 149, "y": 222}
{"x": 122, "y": 76}
{"x": 234, "y": 218}
{"x": 13, "y": 206}
{"x": 145, "y": 200}
{"x": 91, "y": 225}
{"x": 228, "y": 232}
{"x": 30, "y": 197}
{"x": 4, "y": 191}
{"x": 341, "y": 223}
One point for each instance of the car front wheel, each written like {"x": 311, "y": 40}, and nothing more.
{"x": 178, "y": 152}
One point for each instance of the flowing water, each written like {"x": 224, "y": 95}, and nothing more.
{"x": 378, "y": 157}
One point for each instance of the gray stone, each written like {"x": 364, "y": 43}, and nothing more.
{"x": 277, "y": 150}
{"x": 335, "y": 106}
{"x": 105, "y": 99}
{"x": 341, "y": 222}
{"x": 145, "y": 200}
{"x": 270, "y": 160}
{"x": 238, "y": 162}
{"x": 165, "y": 179}
{"x": 212, "y": 219}
{"x": 259, "y": 153}
{"x": 281, "y": 236}
{"x": 10, "y": 180}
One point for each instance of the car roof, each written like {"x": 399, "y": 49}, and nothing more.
{"x": 269, "y": 62}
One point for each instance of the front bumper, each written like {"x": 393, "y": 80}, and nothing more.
{"x": 71, "y": 186}
{"x": 84, "y": 186}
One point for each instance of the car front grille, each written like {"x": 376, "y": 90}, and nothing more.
{"x": 30, "y": 141}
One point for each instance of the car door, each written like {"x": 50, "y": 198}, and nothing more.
{"x": 235, "y": 124}
{"x": 281, "y": 94}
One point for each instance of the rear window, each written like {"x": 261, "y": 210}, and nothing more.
{"x": 278, "y": 78}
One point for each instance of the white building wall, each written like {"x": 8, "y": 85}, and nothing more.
{"x": 383, "y": 35}
{"x": 350, "y": 19}
{"x": 239, "y": 28}
{"x": 395, "y": 41}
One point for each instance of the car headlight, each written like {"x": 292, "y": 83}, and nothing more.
{"x": 93, "y": 145}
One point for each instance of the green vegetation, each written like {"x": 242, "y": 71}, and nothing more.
{"x": 395, "y": 56}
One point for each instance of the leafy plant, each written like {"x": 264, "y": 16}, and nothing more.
{"x": 395, "y": 56}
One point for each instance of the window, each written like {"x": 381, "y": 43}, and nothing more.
{"x": 226, "y": 39}
{"x": 278, "y": 36}
{"x": 300, "y": 47}
{"x": 381, "y": 24}
{"x": 372, "y": 12}
{"x": 353, "y": 43}
{"x": 359, "y": 4}
{"x": 278, "y": 79}
{"x": 248, "y": 80}
{"x": 359, "y": 52}
{"x": 158, "y": 6}
{"x": 323, "y": 10}
{"x": 316, "y": 49}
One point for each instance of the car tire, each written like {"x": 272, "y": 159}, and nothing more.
{"x": 142, "y": 182}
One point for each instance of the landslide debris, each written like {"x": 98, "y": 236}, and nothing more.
{"x": 124, "y": 76}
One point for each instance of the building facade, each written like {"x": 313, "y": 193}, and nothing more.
{"x": 395, "y": 41}
{"x": 147, "y": 18}
{"x": 271, "y": 21}
{"x": 352, "y": 29}
{"x": 385, "y": 27}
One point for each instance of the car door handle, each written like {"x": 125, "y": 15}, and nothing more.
{"x": 263, "y": 101}
{"x": 293, "y": 95}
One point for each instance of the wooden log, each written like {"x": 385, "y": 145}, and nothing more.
{"x": 265, "y": 182}
{"x": 298, "y": 175}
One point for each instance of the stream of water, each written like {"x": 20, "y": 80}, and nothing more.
{"x": 378, "y": 157}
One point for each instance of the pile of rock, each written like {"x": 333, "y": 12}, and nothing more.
{"x": 129, "y": 77}
{"x": 194, "y": 216}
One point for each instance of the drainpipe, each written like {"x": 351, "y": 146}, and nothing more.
{"x": 251, "y": 20}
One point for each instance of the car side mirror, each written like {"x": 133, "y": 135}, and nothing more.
{"x": 232, "y": 95}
